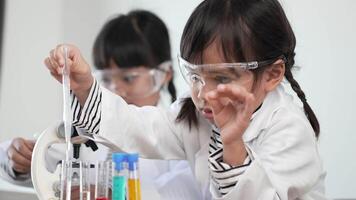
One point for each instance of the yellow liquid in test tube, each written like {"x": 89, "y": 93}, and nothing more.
{"x": 133, "y": 182}
{"x": 134, "y": 189}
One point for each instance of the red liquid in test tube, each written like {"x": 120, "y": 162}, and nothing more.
{"x": 102, "y": 198}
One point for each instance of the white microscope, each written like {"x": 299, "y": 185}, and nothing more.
{"x": 47, "y": 184}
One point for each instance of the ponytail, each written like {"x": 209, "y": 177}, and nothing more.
{"x": 172, "y": 90}
{"x": 188, "y": 112}
{"x": 296, "y": 88}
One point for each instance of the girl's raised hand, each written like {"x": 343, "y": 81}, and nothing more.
{"x": 232, "y": 108}
{"x": 80, "y": 73}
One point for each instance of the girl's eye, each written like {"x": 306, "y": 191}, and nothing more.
{"x": 194, "y": 78}
{"x": 106, "y": 80}
{"x": 129, "y": 79}
{"x": 222, "y": 79}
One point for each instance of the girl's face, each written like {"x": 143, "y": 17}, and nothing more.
{"x": 238, "y": 78}
{"x": 136, "y": 85}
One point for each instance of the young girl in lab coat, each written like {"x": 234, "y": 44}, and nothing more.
{"x": 242, "y": 134}
{"x": 132, "y": 57}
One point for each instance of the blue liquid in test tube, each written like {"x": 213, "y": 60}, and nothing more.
{"x": 119, "y": 178}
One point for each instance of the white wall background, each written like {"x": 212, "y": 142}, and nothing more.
{"x": 326, "y": 47}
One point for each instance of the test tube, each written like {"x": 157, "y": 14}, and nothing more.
{"x": 103, "y": 171}
{"x": 134, "y": 187}
{"x": 119, "y": 176}
{"x": 84, "y": 186}
{"x": 66, "y": 179}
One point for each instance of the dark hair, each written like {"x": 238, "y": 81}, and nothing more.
{"x": 246, "y": 30}
{"x": 139, "y": 38}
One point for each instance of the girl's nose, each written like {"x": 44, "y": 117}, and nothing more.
{"x": 203, "y": 89}
{"x": 119, "y": 90}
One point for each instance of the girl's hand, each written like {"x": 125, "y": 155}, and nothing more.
{"x": 81, "y": 78}
{"x": 20, "y": 155}
{"x": 232, "y": 108}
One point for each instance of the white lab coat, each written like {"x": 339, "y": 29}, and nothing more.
{"x": 286, "y": 162}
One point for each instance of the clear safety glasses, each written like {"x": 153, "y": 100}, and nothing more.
{"x": 134, "y": 82}
{"x": 212, "y": 75}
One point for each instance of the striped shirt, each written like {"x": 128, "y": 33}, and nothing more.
{"x": 87, "y": 118}
{"x": 224, "y": 176}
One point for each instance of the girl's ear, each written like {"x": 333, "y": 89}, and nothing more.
{"x": 273, "y": 75}
{"x": 169, "y": 76}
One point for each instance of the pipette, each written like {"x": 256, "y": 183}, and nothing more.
{"x": 67, "y": 123}
{"x": 66, "y": 103}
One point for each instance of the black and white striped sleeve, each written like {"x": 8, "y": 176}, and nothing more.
{"x": 224, "y": 176}
{"x": 87, "y": 117}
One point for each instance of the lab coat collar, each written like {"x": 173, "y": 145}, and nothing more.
{"x": 164, "y": 100}
{"x": 262, "y": 117}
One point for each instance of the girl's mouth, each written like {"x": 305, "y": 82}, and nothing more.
{"x": 207, "y": 113}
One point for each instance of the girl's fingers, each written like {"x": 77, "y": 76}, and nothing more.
{"x": 53, "y": 58}
{"x": 238, "y": 97}
{"x": 59, "y": 54}
{"x": 61, "y": 58}
{"x": 215, "y": 104}
{"x": 51, "y": 54}
{"x": 18, "y": 167}
{"x": 249, "y": 106}
{"x": 50, "y": 66}
{"x": 232, "y": 92}
{"x": 56, "y": 66}
{"x": 30, "y": 144}
{"x": 22, "y": 148}
{"x": 18, "y": 158}
{"x": 246, "y": 108}
{"x": 52, "y": 69}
